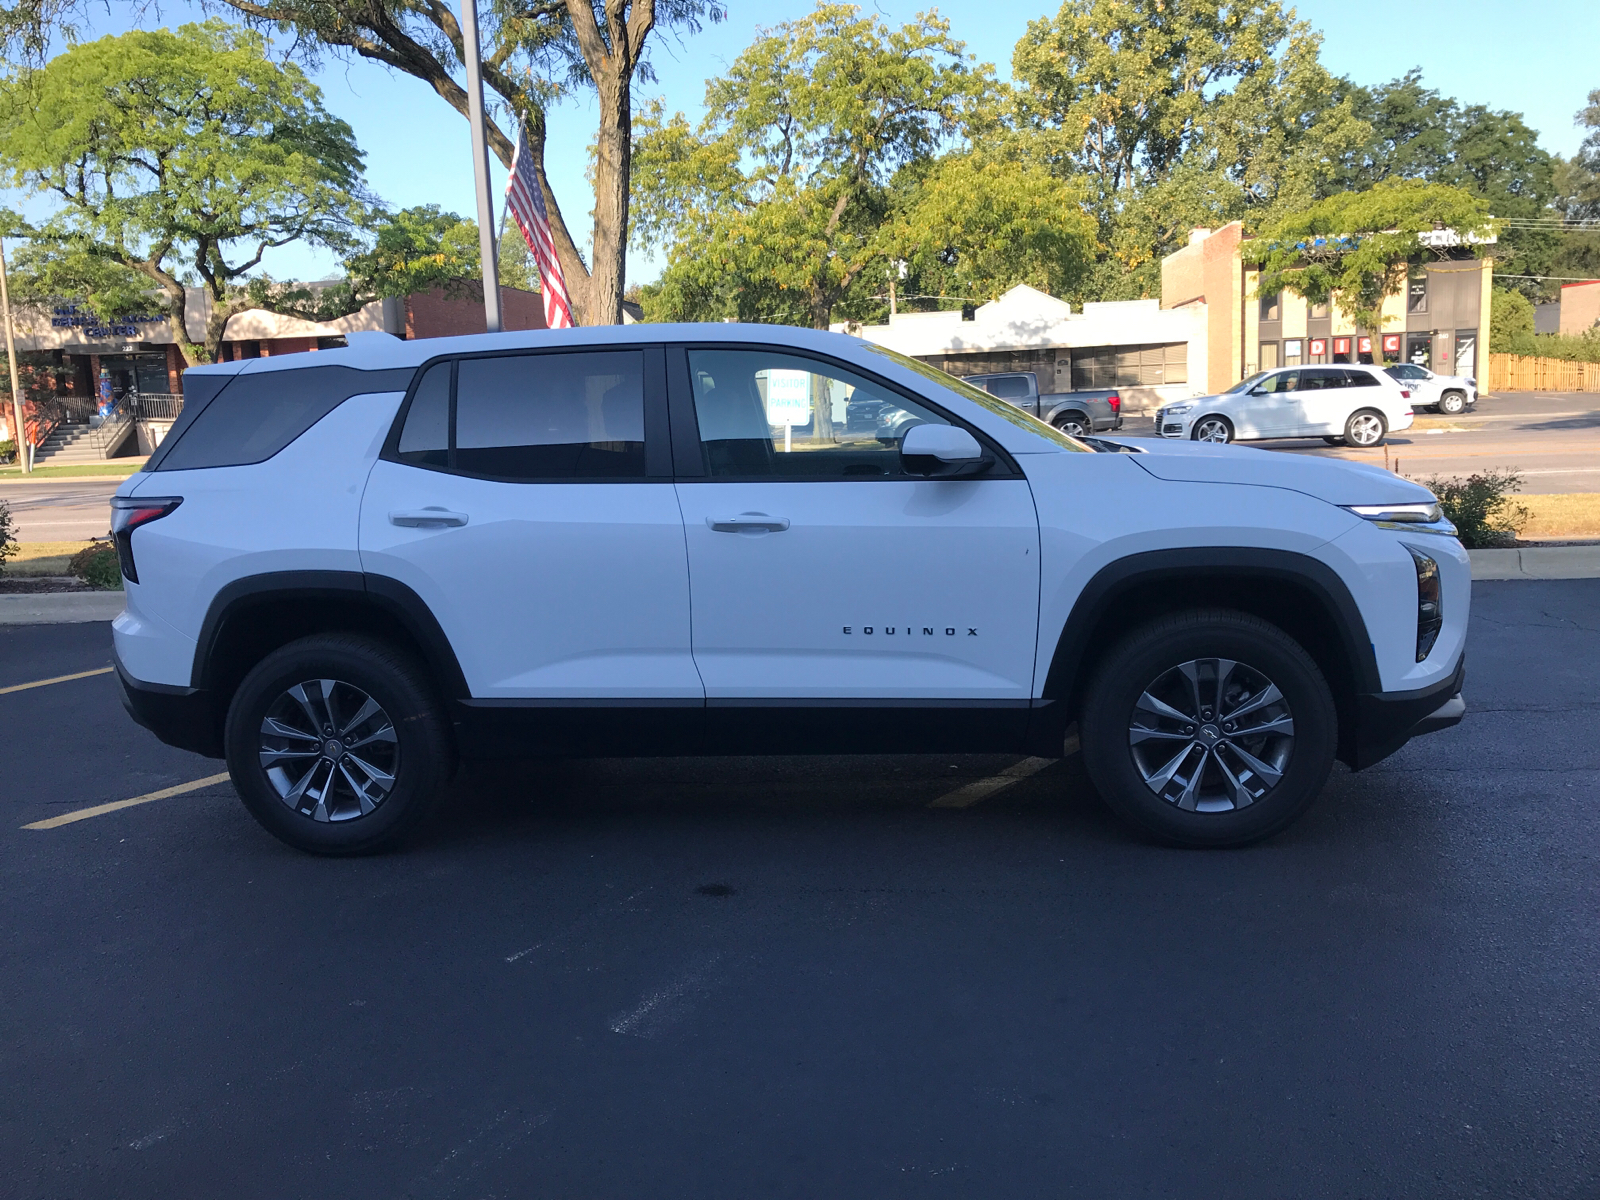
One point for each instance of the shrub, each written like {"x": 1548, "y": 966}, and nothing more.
{"x": 1480, "y": 507}
{"x": 8, "y": 540}
{"x": 8, "y": 450}
{"x": 97, "y": 566}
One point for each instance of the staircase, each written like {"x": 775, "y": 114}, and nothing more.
{"x": 75, "y": 441}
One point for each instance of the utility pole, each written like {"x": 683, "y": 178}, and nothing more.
{"x": 11, "y": 354}
{"x": 480, "y": 165}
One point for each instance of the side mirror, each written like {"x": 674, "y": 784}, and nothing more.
{"x": 941, "y": 451}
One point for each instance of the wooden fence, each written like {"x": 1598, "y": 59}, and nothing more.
{"x": 1514, "y": 373}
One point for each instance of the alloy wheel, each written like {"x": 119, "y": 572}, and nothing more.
{"x": 1365, "y": 429}
{"x": 1211, "y": 735}
{"x": 1072, "y": 428}
{"x": 1212, "y": 429}
{"x": 329, "y": 750}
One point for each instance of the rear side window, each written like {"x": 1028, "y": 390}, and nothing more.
{"x": 1318, "y": 379}
{"x": 531, "y": 417}
{"x": 1008, "y": 387}
{"x": 1360, "y": 379}
{"x": 255, "y": 416}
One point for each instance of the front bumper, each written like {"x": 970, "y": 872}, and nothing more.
{"x": 180, "y": 716}
{"x": 1385, "y": 721}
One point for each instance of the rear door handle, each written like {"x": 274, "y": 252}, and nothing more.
{"x": 431, "y": 517}
{"x": 748, "y": 523}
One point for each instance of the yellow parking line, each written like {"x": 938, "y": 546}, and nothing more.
{"x": 83, "y": 814}
{"x": 982, "y": 789}
{"x": 22, "y": 687}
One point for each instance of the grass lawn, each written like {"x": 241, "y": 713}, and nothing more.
{"x": 118, "y": 468}
{"x": 42, "y": 558}
{"x": 1573, "y": 515}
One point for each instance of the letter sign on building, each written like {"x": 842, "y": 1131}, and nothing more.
{"x": 1363, "y": 345}
{"x": 1341, "y": 345}
{"x": 1319, "y": 346}
{"x": 1391, "y": 343}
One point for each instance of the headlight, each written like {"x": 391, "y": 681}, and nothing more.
{"x": 1177, "y": 410}
{"x": 1430, "y": 603}
{"x": 1411, "y": 514}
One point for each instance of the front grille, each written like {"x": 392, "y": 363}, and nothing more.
{"x": 1171, "y": 430}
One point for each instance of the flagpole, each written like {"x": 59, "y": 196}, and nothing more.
{"x": 11, "y": 355}
{"x": 480, "y": 166}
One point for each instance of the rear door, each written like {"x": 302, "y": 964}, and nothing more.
{"x": 1323, "y": 401}
{"x": 527, "y": 499}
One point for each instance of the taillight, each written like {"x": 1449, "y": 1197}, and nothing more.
{"x": 1405, "y": 394}
{"x": 127, "y": 514}
{"x": 1115, "y": 402}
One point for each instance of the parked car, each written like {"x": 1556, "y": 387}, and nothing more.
{"x": 1442, "y": 393}
{"x": 347, "y": 570}
{"x": 1074, "y": 413}
{"x": 1353, "y": 405}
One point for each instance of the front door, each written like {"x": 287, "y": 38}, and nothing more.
{"x": 1273, "y": 408}
{"x": 824, "y": 576}
{"x": 521, "y": 506}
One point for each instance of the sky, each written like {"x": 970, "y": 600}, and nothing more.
{"x": 1478, "y": 51}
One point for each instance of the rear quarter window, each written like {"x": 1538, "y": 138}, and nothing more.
{"x": 255, "y": 416}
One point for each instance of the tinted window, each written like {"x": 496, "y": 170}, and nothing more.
{"x": 551, "y": 416}
{"x": 1008, "y": 387}
{"x": 1321, "y": 379}
{"x": 1360, "y": 379}
{"x": 425, "y": 440}
{"x": 765, "y": 413}
{"x": 255, "y": 416}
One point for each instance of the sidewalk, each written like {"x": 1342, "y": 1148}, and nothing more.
{"x": 1537, "y": 562}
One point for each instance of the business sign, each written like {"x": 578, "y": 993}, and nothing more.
{"x": 1341, "y": 345}
{"x": 73, "y": 316}
{"x": 1391, "y": 343}
{"x": 788, "y": 397}
{"x": 1363, "y": 345}
{"x": 1319, "y": 346}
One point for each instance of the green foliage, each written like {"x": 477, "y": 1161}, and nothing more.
{"x": 8, "y": 538}
{"x": 1480, "y": 507}
{"x": 168, "y": 152}
{"x": 1356, "y": 247}
{"x": 97, "y": 566}
{"x": 1510, "y": 320}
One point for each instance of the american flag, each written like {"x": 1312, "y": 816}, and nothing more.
{"x": 525, "y": 202}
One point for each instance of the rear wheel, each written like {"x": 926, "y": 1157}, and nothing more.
{"x": 337, "y": 744}
{"x": 1213, "y": 429}
{"x": 1334, "y": 441}
{"x": 1073, "y": 425}
{"x": 1209, "y": 728}
{"x": 1452, "y": 403}
{"x": 1365, "y": 428}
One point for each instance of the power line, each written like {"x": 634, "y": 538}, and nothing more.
{"x": 1558, "y": 278}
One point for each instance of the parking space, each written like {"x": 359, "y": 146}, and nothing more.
{"x": 808, "y": 976}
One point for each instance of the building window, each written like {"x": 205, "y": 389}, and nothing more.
{"x": 1467, "y": 353}
{"x": 1292, "y": 352}
{"x": 1317, "y": 312}
{"x": 1269, "y": 356}
{"x": 996, "y": 362}
{"x": 1417, "y": 293}
{"x": 1098, "y": 368}
{"x": 1271, "y": 310}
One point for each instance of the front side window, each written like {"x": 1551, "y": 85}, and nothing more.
{"x": 531, "y": 417}
{"x": 1283, "y": 381}
{"x": 768, "y": 414}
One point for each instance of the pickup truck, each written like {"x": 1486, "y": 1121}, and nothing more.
{"x": 1074, "y": 413}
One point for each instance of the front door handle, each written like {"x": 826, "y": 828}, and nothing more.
{"x": 748, "y": 523}
{"x": 431, "y": 517}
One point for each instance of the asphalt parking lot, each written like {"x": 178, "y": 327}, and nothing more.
{"x": 798, "y": 978}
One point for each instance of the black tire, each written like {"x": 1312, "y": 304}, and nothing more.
{"x": 1334, "y": 441}
{"x": 1452, "y": 403}
{"x": 1074, "y": 424}
{"x": 1358, "y": 429}
{"x": 1222, "y": 426}
{"x": 418, "y": 738}
{"x": 1150, "y": 655}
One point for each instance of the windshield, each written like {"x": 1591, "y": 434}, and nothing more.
{"x": 978, "y": 396}
{"x": 1245, "y": 384}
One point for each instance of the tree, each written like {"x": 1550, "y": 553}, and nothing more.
{"x": 534, "y": 51}
{"x": 782, "y": 195}
{"x": 1357, "y": 247}
{"x": 1510, "y": 322}
{"x": 178, "y": 152}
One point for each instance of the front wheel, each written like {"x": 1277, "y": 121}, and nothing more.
{"x": 1208, "y": 728}
{"x": 1212, "y": 429}
{"x": 1073, "y": 425}
{"x": 1452, "y": 403}
{"x": 1365, "y": 429}
{"x": 337, "y": 744}
{"x": 1334, "y": 441}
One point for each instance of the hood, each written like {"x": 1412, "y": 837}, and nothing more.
{"x": 1330, "y": 479}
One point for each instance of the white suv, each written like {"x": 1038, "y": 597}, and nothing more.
{"x": 349, "y": 568}
{"x": 1354, "y": 405}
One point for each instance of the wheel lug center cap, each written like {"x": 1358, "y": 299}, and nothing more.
{"x": 333, "y": 748}
{"x": 1210, "y": 734}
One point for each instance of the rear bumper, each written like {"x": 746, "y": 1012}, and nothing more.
{"x": 1385, "y": 721}
{"x": 180, "y": 716}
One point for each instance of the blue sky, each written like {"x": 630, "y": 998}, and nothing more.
{"x": 1479, "y": 51}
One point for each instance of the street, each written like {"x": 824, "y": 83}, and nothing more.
{"x": 796, "y": 977}
{"x": 59, "y": 510}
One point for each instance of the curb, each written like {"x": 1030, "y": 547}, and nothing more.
{"x": 60, "y": 608}
{"x": 1537, "y": 562}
